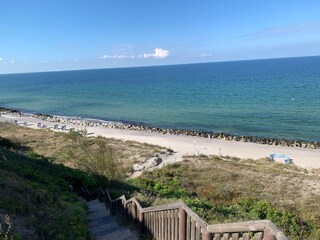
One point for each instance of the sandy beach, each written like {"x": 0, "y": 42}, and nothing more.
{"x": 188, "y": 145}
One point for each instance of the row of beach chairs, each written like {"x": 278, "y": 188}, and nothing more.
{"x": 43, "y": 126}
{"x": 55, "y": 127}
{"x": 15, "y": 122}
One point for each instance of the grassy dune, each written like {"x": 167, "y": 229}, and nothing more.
{"x": 229, "y": 189}
{"x": 56, "y": 146}
{"x": 218, "y": 189}
{"x": 35, "y": 202}
{"x": 36, "y": 168}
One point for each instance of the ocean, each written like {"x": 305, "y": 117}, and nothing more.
{"x": 276, "y": 98}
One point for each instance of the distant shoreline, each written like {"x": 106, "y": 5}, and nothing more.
{"x": 181, "y": 144}
{"x": 88, "y": 122}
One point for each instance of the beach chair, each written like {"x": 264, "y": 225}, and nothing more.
{"x": 56, "y": 126}
{"x": 15, "y": 122}
{"x": 39, "y": 125}
{"x": 281, "y": 158}
{"x": 25, "y": 124}
{"x": 63, "y": 127}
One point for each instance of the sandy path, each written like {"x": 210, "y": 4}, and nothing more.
{"x": 190, "y": 145}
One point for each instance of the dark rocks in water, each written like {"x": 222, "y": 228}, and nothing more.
{"x": 42, "y": 116}
{"x": 9, "y": 110}
{"x": 203, "y": 134}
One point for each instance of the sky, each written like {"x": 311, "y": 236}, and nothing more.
{"x": 55, "y": 35}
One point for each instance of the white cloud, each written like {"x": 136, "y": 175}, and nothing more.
{"x": 206, "y": 55}
{"x": 1, "y": 59}
{"x": 114, "y": 56}
{"x": 158, "y": 53}
{"x": 13, "y": 61}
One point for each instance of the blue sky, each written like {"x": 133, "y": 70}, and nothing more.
{"x": 43, "y": 35}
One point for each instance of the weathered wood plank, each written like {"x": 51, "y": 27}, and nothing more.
{"x": 245, "y": 236}
{"x": 225, "y": 236}
{"x": 193, "y": 230}
{"x": 217, "y": 236}
{"x": 176, "y": 224}
{"x": 171, "y": 216}
{"x": 235, "y": 236}
{"x": 276, "y": 232}
{"x": 198, "y": 232}
{"x": 182, "y": 224}
{"x": 170, "y": 206}
{"x": 268, "y": 235}
{"x": 162, "y": 225}
{"x": 188, "y": 228}
{"x": 194, "y": 216}
{"x": 258, "y": 236}
{"x": 169, "y": 224}
{"x": 254, "y": 226}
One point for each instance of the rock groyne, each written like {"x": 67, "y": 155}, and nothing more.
{"x": 204, "y": 134}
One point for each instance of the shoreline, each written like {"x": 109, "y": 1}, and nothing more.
{"x": 89, "y": 122}
{"x": 182, "y": 144}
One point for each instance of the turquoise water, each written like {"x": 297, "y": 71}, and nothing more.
{"x": 277, "y": 98}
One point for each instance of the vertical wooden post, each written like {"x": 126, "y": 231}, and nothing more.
{"x": 111, "y": 208}
{"x": 124, "y": 207}
{"x": 134, "y": 211}
{"x": 268, "y": 235}
{"x": 206, "y": 235}
{"x": 182, "y": 224}
{"x": 141, "y": 221}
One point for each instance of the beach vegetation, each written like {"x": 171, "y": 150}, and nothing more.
{"x": 34, "y": 164}
{"x": 230, "y": 190}
{"x": 58, "y": 146}
{"x": 94, "y": 156}
{"x": 35, "y": 202}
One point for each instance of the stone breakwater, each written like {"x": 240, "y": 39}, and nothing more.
{"x": 204, "y": 134}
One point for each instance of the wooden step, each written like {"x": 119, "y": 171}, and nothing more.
{"x": 98, "y": 214}
{"x": 120, "y": 234}
{"x": 93, "y": 202}
{"x": 97, "y": 207}
{"x": 100, "y": 221}
{"x": 101, "y": 224}
{"x": 104, "y": 229}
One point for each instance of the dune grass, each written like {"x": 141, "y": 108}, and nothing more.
{"x": 218, "y": 189}
{"x": 57, "y": 146}
{"x": 35, "y": 202}
{"x": 230, "y": 189}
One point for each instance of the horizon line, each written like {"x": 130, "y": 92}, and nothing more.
{"x": 164, "y": 65}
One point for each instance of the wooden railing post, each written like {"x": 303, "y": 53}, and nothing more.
{"x": 134, "y": 211}
{"x": 141, "y": 221}
{"x": 268, "y": 235}
{"x": 124, "y": 207}
{"x": 206, "y": 235}
{"x": 182, "y": 224}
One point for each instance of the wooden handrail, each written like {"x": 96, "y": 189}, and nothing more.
{"x": 170, "y": 206}
{"x": 249, "y": 226}
{"x": 195, "y": 216}
{"x": 159, "y": 218}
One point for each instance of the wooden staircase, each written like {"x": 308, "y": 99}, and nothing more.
{"x": 174, "y": 221}
{"x": 102, "y": 225}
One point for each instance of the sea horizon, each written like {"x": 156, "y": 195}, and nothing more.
{"x": 260, "y": 98}
{"x": 164, "y": 65}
